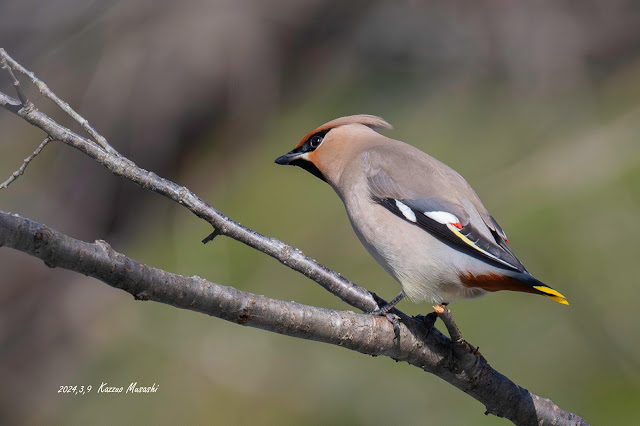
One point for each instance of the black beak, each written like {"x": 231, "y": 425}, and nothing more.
{"x": 288, "y": 157}
{"x": 292, "y": 158}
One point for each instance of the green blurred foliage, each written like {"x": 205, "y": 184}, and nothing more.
{"x": 564, "y": 188}
{"x": 560, "y": 170}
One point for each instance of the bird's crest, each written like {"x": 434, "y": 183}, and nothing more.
{"x": 371, "y": 121}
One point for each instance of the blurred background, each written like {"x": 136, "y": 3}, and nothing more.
{"x": 536, "y": 104}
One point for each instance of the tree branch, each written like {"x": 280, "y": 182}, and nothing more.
{"x": 427, "y": 349}
{"x": 372, "y": 335}
{"x": 347, "y": 291}
{"x": 15, "y": 175}
{"x": 9, "y": 63}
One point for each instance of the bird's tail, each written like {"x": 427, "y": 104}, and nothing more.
{"x": 541, "y": 287}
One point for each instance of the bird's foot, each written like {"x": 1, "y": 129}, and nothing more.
{"x": 391, "y": 317}
{"x": 395, "y": 322}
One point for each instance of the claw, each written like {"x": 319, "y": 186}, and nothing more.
{"x": 395, "y": 322}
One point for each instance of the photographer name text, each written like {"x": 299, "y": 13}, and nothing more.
{"x": 105, "y": 387}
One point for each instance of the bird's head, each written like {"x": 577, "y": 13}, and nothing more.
{"x": 323, "y": 151}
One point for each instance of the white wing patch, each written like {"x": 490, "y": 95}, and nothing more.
{"x": 406, "y": 211}
{"x": 442, "y": 217}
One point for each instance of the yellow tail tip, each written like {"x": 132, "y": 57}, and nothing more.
{"x": 558, "y": 299}
{"x": 552, "y": 294}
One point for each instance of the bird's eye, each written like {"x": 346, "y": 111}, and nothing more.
{"x": 315, "y": 141}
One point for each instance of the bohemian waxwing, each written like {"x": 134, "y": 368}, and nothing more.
{"x": 415, "y": 215}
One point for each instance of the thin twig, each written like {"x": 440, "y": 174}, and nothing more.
{"x": 44, "y": 89}
{"x": 16, "y": 84}
{"x": 466, "y": 356}
{"x": 293, "y": 258}
{"x": 211, "y": 236}
{"x": 26, "y": 162}
{"x": 447, "y": 318}
{"x": 9, "y": 103}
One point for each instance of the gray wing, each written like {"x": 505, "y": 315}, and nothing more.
{"x": 442, "y": 218}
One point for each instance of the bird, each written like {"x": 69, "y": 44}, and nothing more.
{"x": 416, "y": 216}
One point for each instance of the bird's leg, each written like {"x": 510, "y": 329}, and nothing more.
{"x": 389, "y": 306}
{"x": 385, "y": 310}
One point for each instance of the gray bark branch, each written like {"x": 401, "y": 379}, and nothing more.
{"x": 460, "y": 365}
{"x": 15, "y": 175}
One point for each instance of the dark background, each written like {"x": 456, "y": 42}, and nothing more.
{"x": 537, "y": 104}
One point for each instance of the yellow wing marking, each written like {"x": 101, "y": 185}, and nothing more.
{"x": 472, "y": 244}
